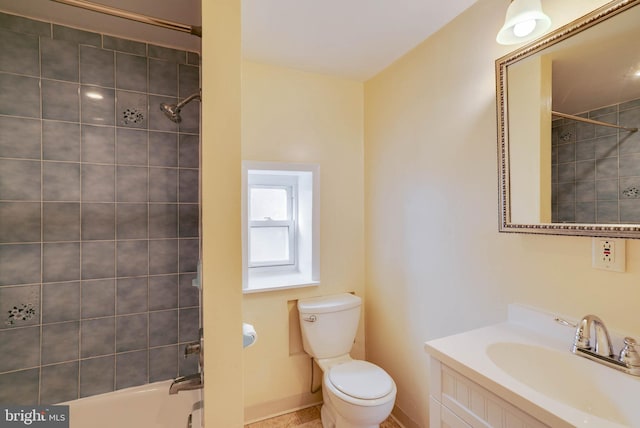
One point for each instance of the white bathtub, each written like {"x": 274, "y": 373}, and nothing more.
{"x": 146, "y": 406}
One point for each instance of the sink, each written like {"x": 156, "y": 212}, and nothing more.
{"x": 571, "y": 380}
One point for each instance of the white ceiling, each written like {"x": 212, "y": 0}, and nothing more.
{"x": 349, "y": 38}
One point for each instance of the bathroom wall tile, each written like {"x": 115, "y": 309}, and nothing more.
{"x": 188, "y": 330}
{"x": 585, "y": 191}
{"x": 19, "y": 306}
{"x": 132, "y": 369}
{"x": 606, "y": 147}
{"x": 19, "y": 180}
{"x": 189, "y": 253}
{"x": 131, "y": 147}
{"x": 567, "y": 133}
{"x": 59, "y": 59}
{"x": 163, "y": 256}
{"x": 98, "y": 298}
{"x": 133, "y": 295}
{"x": 169, "y": 54}
{"x": 585, "y": 150}
{"x": 163, "y": 149}
{"x": 189, "y": 295}
{"x": 98, "y": 260}
{"x": 586, "y": 170}
{"x": 602, "y": 131}
{"x": 97, "y": 376}
{"x": 98, "y": 183}
{"x": 189, "y": 80}
{"x": 97, "y": 337}
{"x": 189, "y": 220}
{"x": 190, "y": 115}
{"x": 133, "y": 258}
{"x": 124, "y": 45}
{"x": 19, "y": 222}
{"x": 189, "y": 151}
{"x": 60, "y": 181}
{"x": 608, "y": 110}
{"x": 98, "y": 144}
{"x": 629, "y": 165}
{"x": 24, "y": 344}
{"x": 163, "y": 292}
{"x": 98, "y": 105}
{"x": 60, "y": 141}
{"x": 566, "y": 212}
{"x": 163, "y": 328}
{"x": 566, "y": 153}
{"x": 629, "y": 143}
{"x": 19, "y": 137}
{"x": 193, "y": 58}
{"x": 20, "y": 264}
{"x": 132, "y": 220}
{"x": 585, "y": 131}
{"x": 56, "y": 383}
{"x": 131, "y": 332}
{"x": 606, "y": 168}
{"x": 60, "y": 342}
{"x": 607, "y": 190}
{"x": 566, "y": 172}
{"x": 60, "y": 101}
{"x": 567, "y": 192}
{"x": 163, "y": 220}
{"x": 163, "y": 77}
{"x": 158, "y": 121}
{"x": 131, "y": 109}
{"x": 585, "y": 212}
{"x": 607, "y": 212}
{"x": 97, "y": 66}
{"x": 60, "y": 302}
{"x": 98, "y": 221}
{"x": 19, "y": 53}
{"x": 24, "y": 25}
{"x": 132, "y": 184}
{"x": 20, "y": 388}
{"x": 131, "y": 72}
{"x": 23, "y": 88}
{"x": 61, "y": 221}
{"x": 188, "y": 365}
{"x": 61, "y": 262}
{"x": 163, "y": 185}
{"x": 163, "y": 363}
{"x": 188, "y": 186}
{"x": 78, "y": 36}
{"x": 630, "y": 211}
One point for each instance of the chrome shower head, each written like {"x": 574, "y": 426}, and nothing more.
{"x": 173, "y": 110}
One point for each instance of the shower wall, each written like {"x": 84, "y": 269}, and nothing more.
{"x": 596, "y": 169}
{"x": 99, "y": 213}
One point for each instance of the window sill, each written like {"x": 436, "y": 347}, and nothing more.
{"x": 262, "y": 283}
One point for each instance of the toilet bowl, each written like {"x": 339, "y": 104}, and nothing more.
{"x": 355, "y": 393}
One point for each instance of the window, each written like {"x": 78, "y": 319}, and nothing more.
{"x": 280, "y": 216}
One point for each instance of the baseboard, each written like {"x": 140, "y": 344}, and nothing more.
{"x": 402, "y": 419}
{"x": 279, "y": 407}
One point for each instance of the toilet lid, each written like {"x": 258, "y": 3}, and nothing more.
{"x": 360, "y": 379}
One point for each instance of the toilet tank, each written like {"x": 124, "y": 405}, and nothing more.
{"x": 329, "y": 324}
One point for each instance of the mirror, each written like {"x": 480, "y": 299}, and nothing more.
{"x": 568, "y": 110}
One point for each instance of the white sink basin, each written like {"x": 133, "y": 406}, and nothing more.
{"x": 577, "y": 382}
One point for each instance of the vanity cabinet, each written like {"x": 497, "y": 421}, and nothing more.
{"x": 458, "y": 402}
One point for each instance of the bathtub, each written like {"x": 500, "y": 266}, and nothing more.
{"x": 146, "y": 406}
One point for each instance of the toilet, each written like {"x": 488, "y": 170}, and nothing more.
{"x": 356, "y": 393}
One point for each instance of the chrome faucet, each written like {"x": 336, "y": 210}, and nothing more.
{"x": 600, "y": 349}
{"x": 186, "y": 383}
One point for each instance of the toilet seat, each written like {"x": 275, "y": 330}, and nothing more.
{"x": 361, "y": 380}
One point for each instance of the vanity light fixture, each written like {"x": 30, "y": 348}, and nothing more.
{"x": 525, "y": 21}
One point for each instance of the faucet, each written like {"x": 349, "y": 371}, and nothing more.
{"x": 186, "y": 383}
{"x": 600, "y": 349}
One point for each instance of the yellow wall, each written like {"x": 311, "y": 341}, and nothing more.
{"x": 292, "y": 116}
{"x": 222, "y": 297}
{"x": 435, "y": 262}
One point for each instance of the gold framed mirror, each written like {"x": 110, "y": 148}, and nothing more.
{"x": 568, "y": 110}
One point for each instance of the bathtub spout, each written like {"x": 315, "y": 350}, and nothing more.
{"x": 186, "y": 383}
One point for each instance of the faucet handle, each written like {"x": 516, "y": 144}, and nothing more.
{"x": 629, "y": 354}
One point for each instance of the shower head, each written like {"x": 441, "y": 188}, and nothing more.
{"x": 173, "y": 110}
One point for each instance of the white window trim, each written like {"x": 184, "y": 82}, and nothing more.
{"x": 306, "y": 271}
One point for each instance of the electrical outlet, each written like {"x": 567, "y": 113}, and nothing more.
{"x": 608, "y": 254}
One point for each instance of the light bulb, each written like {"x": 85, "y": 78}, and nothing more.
{"x": 524, "y": 28}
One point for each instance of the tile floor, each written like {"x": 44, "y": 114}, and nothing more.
{"x": 305, "y": 418}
